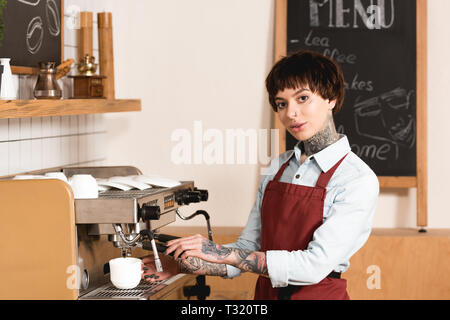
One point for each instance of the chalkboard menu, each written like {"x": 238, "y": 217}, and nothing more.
{"x": 32, "y": 32}
{"x": 374, "y": 42}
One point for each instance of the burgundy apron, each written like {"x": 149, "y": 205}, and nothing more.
{"x": 289, "y": 216}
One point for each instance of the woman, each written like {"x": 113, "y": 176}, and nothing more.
{"x": 312, "y": 214}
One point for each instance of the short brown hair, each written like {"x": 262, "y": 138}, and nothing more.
{"x": 321, "y": 74}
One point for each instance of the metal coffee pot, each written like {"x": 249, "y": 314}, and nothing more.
{"x": 46, "y": 86}
{"x": 87, "y": 66}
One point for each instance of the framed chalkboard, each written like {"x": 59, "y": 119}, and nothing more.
{"x": 381, "y": 48}
{"x": 33, "y": 32}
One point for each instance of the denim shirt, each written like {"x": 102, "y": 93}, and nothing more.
{"x": 349, "y": 208}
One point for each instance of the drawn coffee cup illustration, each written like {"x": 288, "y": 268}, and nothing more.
{"x": 393, "y": 113}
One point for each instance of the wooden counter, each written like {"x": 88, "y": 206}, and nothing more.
{"x": 401, "y": 264}
{"x": 393, "y": 264}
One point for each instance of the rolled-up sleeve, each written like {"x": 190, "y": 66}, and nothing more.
{"x": 343, "y": 232}
{"x": 251, "y": 235}
{"x": 249, "y": 238}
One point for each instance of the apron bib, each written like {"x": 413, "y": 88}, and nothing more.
{"x": 289, "y": 216}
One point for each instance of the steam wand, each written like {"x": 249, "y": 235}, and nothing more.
{"x": 150, "y": 235}
{"x": 196, "y": 213}
{"x": 200, "y": 290}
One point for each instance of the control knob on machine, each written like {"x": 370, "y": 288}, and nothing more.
{"x": 187, "y": 197}
{"x": 203, "y": 194}
{"x": 149, "y": 212}
{"x": 191, "y": 196}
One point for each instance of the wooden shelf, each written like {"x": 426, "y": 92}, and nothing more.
{"x": 398, "y": 182}
{"x": 43, "y": 108}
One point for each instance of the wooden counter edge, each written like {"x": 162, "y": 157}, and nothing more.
{"x": 236, "y": 231}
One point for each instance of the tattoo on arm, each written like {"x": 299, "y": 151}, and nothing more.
{"x": 196, "y": 265}
{"x": 251, "y": 261}
{"x": 246, "y": 260}
{"x": 216, "y": 250}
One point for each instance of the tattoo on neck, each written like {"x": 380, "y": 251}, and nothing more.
{"x": 322, "y": 139}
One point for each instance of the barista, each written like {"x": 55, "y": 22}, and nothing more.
{"x": 318, "y": 203}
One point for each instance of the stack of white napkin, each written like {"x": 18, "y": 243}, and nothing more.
{"x": 140, "y": 182}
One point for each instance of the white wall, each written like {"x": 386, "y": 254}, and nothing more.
{"x": 438, "y": 112}
{"x": 207, "y": 60}
{"x": 188, "y": 61}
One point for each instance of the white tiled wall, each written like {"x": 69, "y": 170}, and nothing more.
{"x": 30, "y": 144}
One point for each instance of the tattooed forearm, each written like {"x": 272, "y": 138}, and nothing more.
{"x": 251, "y": 261}
{"x": 196, "y": 265}
{"x": 211, "y": 248}
{"x": 246, "y": 260}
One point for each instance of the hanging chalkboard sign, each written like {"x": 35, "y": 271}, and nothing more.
{"x": 378, "y": 61}
{"x": 33, "y": 32}
{"x": 381, "y": 48}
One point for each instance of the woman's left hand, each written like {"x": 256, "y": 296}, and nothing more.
{"x": 170, "y": 267}
{"x": 200, "y": 247}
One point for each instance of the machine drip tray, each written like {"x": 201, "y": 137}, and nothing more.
{"x": 142, "y": 292}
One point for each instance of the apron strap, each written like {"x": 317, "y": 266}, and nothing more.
{"x": 281, "y": 170}
{"x": 325, "y": 177}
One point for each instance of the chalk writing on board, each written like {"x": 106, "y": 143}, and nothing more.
{"x": 314, "y": 40}
{"x": 371, "y": 151}
{"x": 337, "y": 16}
{"x": 374, "y": 42}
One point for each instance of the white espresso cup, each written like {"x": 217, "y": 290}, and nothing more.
{"x": 84, "y": 186}
{"x": 56, "y": 175}
{"x": 24, "y": 177}
{"x": 125, "y": 273}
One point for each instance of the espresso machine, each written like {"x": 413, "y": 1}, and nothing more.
{"x": 62, "y": 245}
